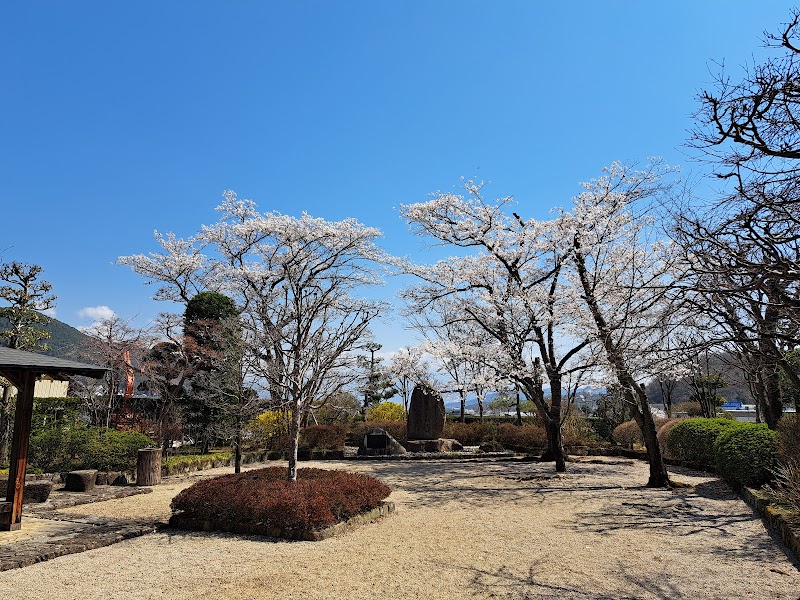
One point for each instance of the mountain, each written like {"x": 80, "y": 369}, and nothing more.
{"x": 64, "y": 339}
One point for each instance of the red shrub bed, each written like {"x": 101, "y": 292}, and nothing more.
{"x": 525, "y": 436}
{"x": 469, "y": 434}
{"x": 319, "y": 498}
{"x": 323, "y": 437}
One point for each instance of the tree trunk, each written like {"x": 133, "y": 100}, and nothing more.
{"x": 148, "y": 466}
{"x": 5, "y": 424}
{"x": 644, "y": 418}
{"x": 237, "y": 450}
{"x": 480, "y": 410}
{"x": 463, "y": 405}
{"x": 294, "y": 441}
{"x": 518, "y": 421}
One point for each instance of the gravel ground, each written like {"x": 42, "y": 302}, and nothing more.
{"x": 462, "y": 530}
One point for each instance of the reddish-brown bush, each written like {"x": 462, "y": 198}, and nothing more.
{"x": 789, "y": 438}
{"x": 319, "y": 498}
{"x": 627, "y": 434}
{"x": 662, "y": 435}
{"x": 469, "y": 434}
{"x": 397, "y": 429}
{"x": 323, "y": 437}
{"x": 525, "y": 436}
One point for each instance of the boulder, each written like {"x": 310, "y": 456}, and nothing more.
{"x": 35, "y": 491}
{"x": 120, "y": 479}
{"x": 378, "y": 442}
{"x": 440, "y": 445}
{"x": 425, "y": 414}
{"x": 80, "y": 481}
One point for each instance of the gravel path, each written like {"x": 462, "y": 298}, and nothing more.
{"x": 462, "y": 530}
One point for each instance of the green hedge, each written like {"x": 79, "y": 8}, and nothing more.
{"x": 745, "y": 454}
{"x": 69, "y": 448}
{"x": 693, "y": 440}
{"x": 195, "y": 462}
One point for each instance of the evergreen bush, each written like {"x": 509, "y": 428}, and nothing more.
{"x": 693, "y": 440}
{"x": 745, "y": 454}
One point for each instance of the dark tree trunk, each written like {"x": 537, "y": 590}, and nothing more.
{"x": 518, "y": 421}
{"x": 294, "y": 441}
{"x": 644, "y": 418}
{"x": 463, "y": 398}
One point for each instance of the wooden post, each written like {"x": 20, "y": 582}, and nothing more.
{"x": 12, "y": 520}
{"x": 148, "y": 466}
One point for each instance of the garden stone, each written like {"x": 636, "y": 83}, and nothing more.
{"x": 80, "y": 481}
{"x": 439, "y": 445}
{"x": 425, "y": 415}
{"x": 378, "y": 442}
{"x": 120, "y": 479}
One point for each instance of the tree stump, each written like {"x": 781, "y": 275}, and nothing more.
{"x": 148, "y": 466}
{"x": 80, "y": 481}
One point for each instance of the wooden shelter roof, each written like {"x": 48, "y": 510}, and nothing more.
{"x": 20, "y": 360}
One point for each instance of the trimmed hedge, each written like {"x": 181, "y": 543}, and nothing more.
{"x": 74, "y": 448}
{"x": 397, "y": 429}
{"x": 662, "y": 434}
{"x": 745, "y": 453}
{"x": 194, "y": 462}
{"x": 469, "y": 434}
{"x": 693, "y": 440}
{"x": 319, "y": 498}
{"x": 525, "y": 436}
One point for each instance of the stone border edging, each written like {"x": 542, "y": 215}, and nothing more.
{"x": 773, "y": 518}
{"x": 183, "y": 521}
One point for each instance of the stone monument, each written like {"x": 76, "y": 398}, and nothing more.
{"x": 379, "y": 442}
{"x": 426, "y": 422}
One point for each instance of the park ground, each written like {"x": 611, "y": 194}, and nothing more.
{"x": 505, "y": 529}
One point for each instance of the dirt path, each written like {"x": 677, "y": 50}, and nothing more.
{"x": 462, "y": 530}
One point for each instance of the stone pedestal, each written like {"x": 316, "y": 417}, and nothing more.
{"x": 440, "y": 445}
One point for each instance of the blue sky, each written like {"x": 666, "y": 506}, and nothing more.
{"x": 120, "y": 118}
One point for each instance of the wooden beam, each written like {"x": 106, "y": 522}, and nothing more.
{"x": 12, "y": 520}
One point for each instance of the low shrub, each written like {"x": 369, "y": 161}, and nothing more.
{"x": 627, "y": 434}
{"x": 323, "y": 437}
{"x": 662, "y": 433}
{"x": 745, "y": 453}
{"x": 397, "y": 429}
{"x": 194, "y": 462}
{"x": 526, "y": 436}
{"x": 71, "y": 448}
{"x": 469, "y": 434}
{"x": 693, "y": 440}
{"x": 785, "y": 488}
{"x": 319, "y": 498}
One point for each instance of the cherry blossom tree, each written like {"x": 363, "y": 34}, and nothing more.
{"x": 624, "y": 275}
{"x": 295, "y": 281}
{"x": 409, "y": 368}
{"x": 508, "y": 285}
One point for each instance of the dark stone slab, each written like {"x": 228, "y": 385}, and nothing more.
{"x": 425, "y": 414}
{"x": 35, "y": 491}
{"x": 378, "y": 442}
{"x": 80, "y": 481}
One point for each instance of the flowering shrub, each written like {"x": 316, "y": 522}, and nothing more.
{"x": 319, "y": 498}
{"x": 387, "y": 411}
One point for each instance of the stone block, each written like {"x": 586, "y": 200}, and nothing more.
{"x": 80, "y": 481}
{"x": 425, "y": 414}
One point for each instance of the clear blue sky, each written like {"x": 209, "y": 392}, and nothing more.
{"x": 120, "y": 118}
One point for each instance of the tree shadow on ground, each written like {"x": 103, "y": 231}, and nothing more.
{"x": 504, "y": 583}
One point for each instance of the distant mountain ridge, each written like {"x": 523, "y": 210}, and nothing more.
{"x": 64, "y": 339}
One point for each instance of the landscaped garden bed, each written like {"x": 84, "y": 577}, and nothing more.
{"x": 319, "y": 504}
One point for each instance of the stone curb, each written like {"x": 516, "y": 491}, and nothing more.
{"x": 16, "y": 556}
{"x": 774, "y": 518}
{"x": 183, "y": 521}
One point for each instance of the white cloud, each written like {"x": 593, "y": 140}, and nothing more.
{"x": 97, "y": 313}
{"x": 50, "y": 312}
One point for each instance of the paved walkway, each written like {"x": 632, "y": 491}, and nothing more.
{"x": 47, "y": 534}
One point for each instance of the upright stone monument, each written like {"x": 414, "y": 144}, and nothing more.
{"x": 425, "y": 415}
{"x": 426, "y": 422}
